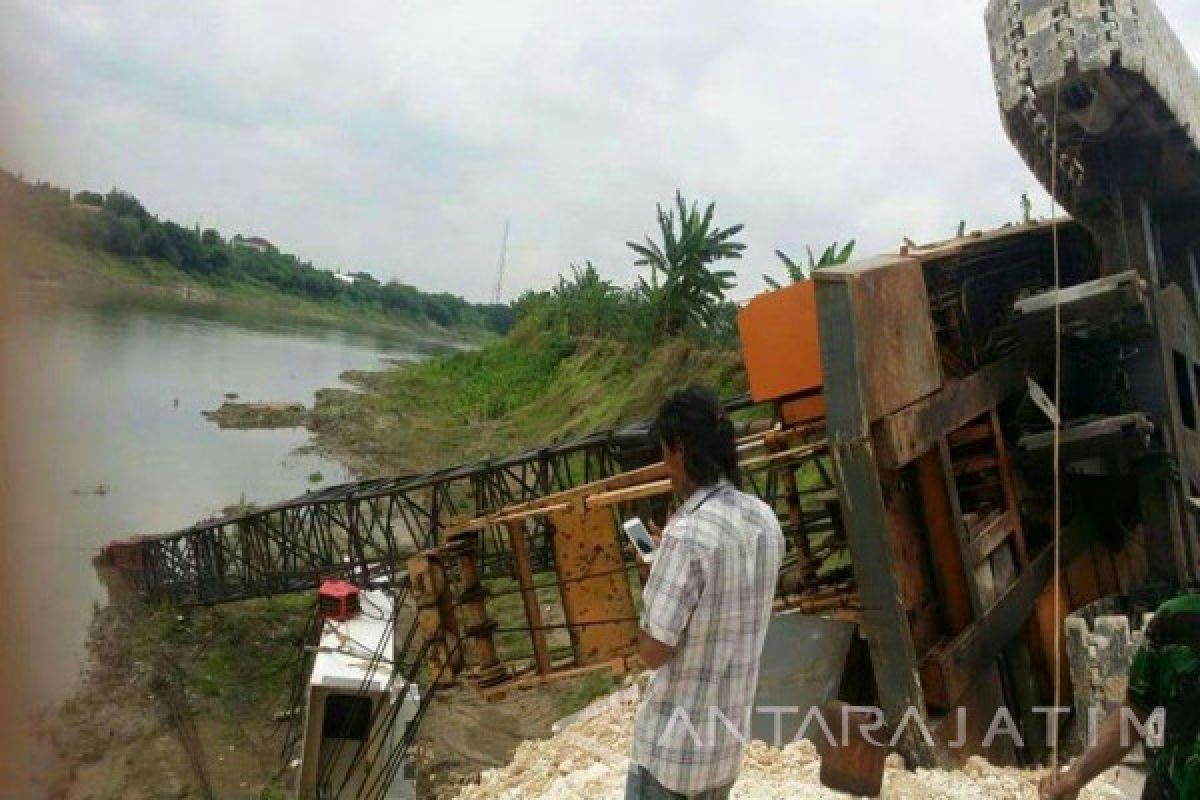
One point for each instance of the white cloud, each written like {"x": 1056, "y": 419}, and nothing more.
{"x": 398, "y": 137}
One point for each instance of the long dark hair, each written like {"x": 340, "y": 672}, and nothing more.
{"x": 694, "y": 419}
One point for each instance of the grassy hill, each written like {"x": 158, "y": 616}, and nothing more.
{"x": 91, "y": 241}
{"x": 46, "y": 264}
{"x": 526, "y": 389}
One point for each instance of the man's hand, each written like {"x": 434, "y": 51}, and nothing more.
{"x": 1062, "y": 786}
{"x": 653, "y": 652}
{"x": 655, "y": 532}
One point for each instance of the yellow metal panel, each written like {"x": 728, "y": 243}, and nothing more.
{"x": 597, "y": 602}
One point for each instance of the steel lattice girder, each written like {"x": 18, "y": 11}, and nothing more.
{"x": 361, "y": 529}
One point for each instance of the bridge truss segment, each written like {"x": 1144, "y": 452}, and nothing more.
{"x": 363, "y": 530}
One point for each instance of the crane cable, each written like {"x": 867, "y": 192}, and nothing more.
{"x": 1057, "y": 423}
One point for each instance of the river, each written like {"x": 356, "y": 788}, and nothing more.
{"x": 107, "y": 398}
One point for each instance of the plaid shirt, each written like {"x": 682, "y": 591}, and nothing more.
{"x": 709, "y": 596}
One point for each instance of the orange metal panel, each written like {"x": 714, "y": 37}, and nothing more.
{"x": 803, "y": 409}
{"x": 779, "y": 342}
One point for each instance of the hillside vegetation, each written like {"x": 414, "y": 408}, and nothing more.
{"x": 509, "y": 395}
{"x": 111, "y": 239}
{"x": 583, "y": 355}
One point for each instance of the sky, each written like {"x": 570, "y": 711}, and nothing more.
{"x": 397, "y": 137}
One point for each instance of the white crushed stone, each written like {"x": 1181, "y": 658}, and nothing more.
{"x": 588, "y": 757}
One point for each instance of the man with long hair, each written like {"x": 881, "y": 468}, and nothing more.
{"x": 707, "y": 605}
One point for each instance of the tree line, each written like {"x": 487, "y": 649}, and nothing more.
{"x": 685, "y": 293}
{"x": 117, "y": 223}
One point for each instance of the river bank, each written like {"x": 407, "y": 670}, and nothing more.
{"x": 113, "y": 734}
{"x": 105, "y": 400}
{"x": 513, "y": 394}
{"x": 58, "y": 270}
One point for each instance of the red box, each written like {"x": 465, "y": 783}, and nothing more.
{"x": 337, "y": 599}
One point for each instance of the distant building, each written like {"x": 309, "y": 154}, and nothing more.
{"x": 352, "y": 278}
{"x": 256, "y": 243}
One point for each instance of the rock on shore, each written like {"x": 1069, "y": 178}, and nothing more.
{"x": 259, "y": 415}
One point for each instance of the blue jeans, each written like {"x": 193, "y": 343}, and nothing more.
{"x": 641, "y": 785}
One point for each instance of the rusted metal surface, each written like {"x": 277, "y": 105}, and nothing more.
{"x": 436, "y": 619}
{"x": 922, "y": 358}
{"x": 529, "y": 599}
{"x": 478, "y": 626}
{"x": 949, "y": 671}
{"x": 944, "y": 544}
{"x": 884, "y": 620}
{"x": 888, "y": 309}
{"x": 592, "y": 567}
{"x": 597, "y": 602}
{"x": 363, "y": 531}
{"x": 903, "y": 436}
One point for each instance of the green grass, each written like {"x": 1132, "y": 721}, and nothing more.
{"x": 237, "y": 657}
{"x": 514, "y": 393}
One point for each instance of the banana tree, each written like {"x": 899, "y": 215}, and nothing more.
{"x": 802, "y": 272}
{"x": 683, "y": 288}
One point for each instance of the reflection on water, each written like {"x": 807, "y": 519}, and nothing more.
{"x": 108, "y": 399}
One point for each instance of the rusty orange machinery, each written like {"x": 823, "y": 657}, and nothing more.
{"x": 782, "y": 351}
{"x": 594, "y": 589}
{"x": 458, "y": 619}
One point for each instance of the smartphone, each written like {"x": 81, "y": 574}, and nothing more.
{"x": 640, "y": 537}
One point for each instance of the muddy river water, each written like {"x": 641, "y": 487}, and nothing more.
{"x": 106, "y": 397}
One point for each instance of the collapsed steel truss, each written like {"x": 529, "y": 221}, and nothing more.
{"x": 360, "y": 530}
{"x": 363, "y": 530}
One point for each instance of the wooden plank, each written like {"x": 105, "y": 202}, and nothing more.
{"x": 1004, "y": 568}
{"x": 1124, "y": 433}
{"x": 1008, "y": 484}
{"x": 520, "y": 516}
{"x": 985, "y": 584}
{"x": 901, "y": 437}
{"x": 944, "y": 543}
{"x": 970, "y": 435}
{"x": 612, "y": 498}
{"x": 559, "y": 501}
{"x": 1090, "y": 301}
{"x": 663, "y": 486}
{"x": 977, "y": 463}
{"x": 909, "y": 551}
{"x": 951, "y": 666}
{"x": 976, "y": 589}
{"x": 884, "y": 619}
{"x": 1169, "y": 521}
{"x": 990, "y": 534}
